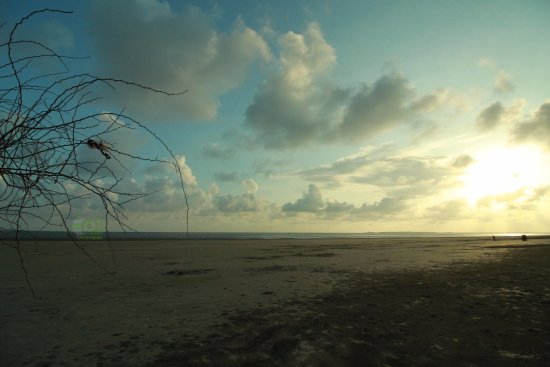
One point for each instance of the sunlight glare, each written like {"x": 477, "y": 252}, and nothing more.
{"x": 503, "y": 170}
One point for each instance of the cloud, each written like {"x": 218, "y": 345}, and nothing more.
{"x": 490, "y": 117}
{"x": 382, "y": 208}
{"x": 536, "y": 128}
{"x": 409, "y": 176}
{"x": 148, "y": 42}
{"x": 164, "y": 169}
{"x": 497, "y": 115}
{"x": 338, "y": 207}
{"x": 503, "y": 83}
{"x": 217, "y": 151}
{"x": 394, "y": 174}
{"x": 522, "y": 198}
{"x": 168, "y": 197}
{"x": 187, "y": 176}
{"x": 241, "y": 203}
{"x": 236, "y": 203}
{"x": 462, "y": 161}
{"x": 226, "y": 176}
{"x": 301, "y": 105}
{"x": 373, "y": 110}
{"x": 310, "y": 202}
{"x": 250, "y": 186}
{"x": 434, "y": 100}
{"x": 295, "y": 106}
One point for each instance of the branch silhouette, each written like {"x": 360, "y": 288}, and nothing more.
{"x": 45, "y": 119}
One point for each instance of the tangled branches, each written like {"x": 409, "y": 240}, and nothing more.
{"x": 47, "y": 120}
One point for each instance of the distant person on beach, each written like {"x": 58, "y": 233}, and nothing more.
{"x": 523, "y": 237}
{"x": 494, "y": 238}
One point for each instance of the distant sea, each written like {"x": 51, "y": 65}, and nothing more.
{"x": 58, "y": 235}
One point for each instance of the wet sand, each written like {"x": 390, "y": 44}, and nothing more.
{"x": 332, "y": 302}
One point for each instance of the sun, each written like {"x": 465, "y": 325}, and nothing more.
{"x": 503, "y": 170}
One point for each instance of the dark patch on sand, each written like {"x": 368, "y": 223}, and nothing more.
{"x": 188, "y": 272}
{"x": 259, "y": 258}
{"x": 320, "y": 254}
{"x": 330, "y": 270}
{"x": 518, "y": 246}
{"x": 487, "y": 314}
{"x": 273, "y": 268}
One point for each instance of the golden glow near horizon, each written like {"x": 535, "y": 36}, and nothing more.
{"x": 499, "y": 171}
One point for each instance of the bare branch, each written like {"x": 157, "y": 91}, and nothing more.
{"x": 46, "y": 122}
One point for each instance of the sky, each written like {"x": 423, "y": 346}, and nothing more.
{"x": 323, "y": 116}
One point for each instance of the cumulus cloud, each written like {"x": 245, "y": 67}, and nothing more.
{"x": 434, "y": 100}
{"x": 236, "y": 203}
{"x": 148, "y": 42}
{"x": 168, "y": 197}
{"x": 338, "y": 207}
{"x": 497, "y": 115}
{"x": 490, "y": 117}
{"x": 186, "y": 174}
{"x": 300, "y": 104}
{"x": 295, "y": 106}
{"x": 241, "y": 203}
{"x": 384, "y": 207}
{"x": 536, "y": 128}
{"x": 166, "y": 169}
{"x": 373, "y": 110}
{"x": 310, "y": 202}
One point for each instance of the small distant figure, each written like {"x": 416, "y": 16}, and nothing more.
{"x": 494, "y": 238}
{"x": 523, "y": 237}
{"x": 101, "y": 146}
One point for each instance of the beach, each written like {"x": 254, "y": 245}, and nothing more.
{"x": 281, "y": 302}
